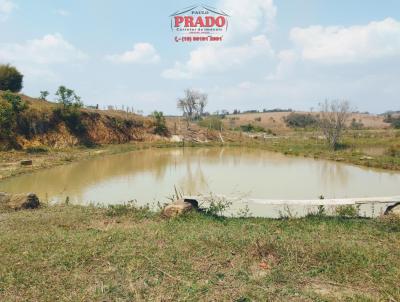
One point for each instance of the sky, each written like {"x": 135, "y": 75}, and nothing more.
{"x": 275, "y": 54}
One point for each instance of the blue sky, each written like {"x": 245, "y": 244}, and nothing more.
{"x": 282, "y": 53}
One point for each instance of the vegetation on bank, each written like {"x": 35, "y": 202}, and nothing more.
{"x": 370, "y": 148}
{"x": 26, "y": 122}
{"x": 374, "y": 148}
{"x": 124, "y": 254}
{"x": 393, "y": 120}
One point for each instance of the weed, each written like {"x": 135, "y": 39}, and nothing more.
{"x": 215, "y": 205}
{"x": 349, "y": 211}
{"x": 35, "y": 150}
{"x": 126, "y": 253}
{"x": 244, "y": 212}
{"x": 128, "y": 209}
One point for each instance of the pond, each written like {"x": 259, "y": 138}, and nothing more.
{"x": 150, "y": 176}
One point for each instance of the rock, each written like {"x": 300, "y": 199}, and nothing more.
{"x": 179, "y": 208}
{"x": 19, "y": 201}
{"x": 395, "y": 210}
{"x": 176, "y": 138}
{"x": 26, "y": 162}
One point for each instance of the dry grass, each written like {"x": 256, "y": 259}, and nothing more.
{"x": 68, "y": 253}
{"x": 275, "y": 120}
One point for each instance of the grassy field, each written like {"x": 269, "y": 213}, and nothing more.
{"x": 370, "y": 148}
{"x": 70, "y": 253}
{"x": 275, "y": 122}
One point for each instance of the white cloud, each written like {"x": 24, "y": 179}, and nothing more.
{"x": 211, "y": 59}
{"x": 336, "y": 44}
{"x": 178, "y": 72}
{"x": 37, "y": 58}
{"x": 6, "y": 8}
{"x": 246, "y": 85}
{"x": 287, "y": 59}
{"x": 143, "y": 53}
{"x": 51, "y": 49}
{"x": 248, "y": 16}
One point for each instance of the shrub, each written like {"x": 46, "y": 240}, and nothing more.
{"x": 7, "y": 119}
{"x": 10, "y": 107}
{"x": 394, "y": 151}
{"x": 128, "y": 209}
{"x": 348, "y": 211}
{"x": 301, "y": 120}
{"x": 10, "y": 78}
{"x": 72, "y": 118}
{"x": 395, "y": 123}
{"x": 393, "y": 120}
{"x": 211, "y": 122}
{"x": 356, "y": 125}
{"x": 251, "y": 128}
{"x": 216, "y": 206}
{"x": 38, "y": 149}
{"x": 160, "y": 123}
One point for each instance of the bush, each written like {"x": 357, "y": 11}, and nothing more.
{"x": 301, "y": 120}
{"x": 396, "y": 123}
{"x": 36, "y": 150}
{"x": 211, "y": 122}
{"x": 394, "y": 151}
{"x": 11, "y": 105}
{"x": 72, "y": 118}
{"x": 356, "y": 125}
{"x": 128, "y": 209}
{"x": 10, "y": 78}
{"x": 251, "y": 128}
{"x": 349, "y": 211}
{"x": 160, "y": 123}
{"x": 7, "y": 119}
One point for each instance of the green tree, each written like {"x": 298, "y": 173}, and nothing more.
{"x": 43, "y": 95}
{"x": 160, "y": 123}
{"x": 68, "y": 98}
{"x": 69, "y": 112}
{"x": 6, "y": 119}
{"x": 10, "y": 78}
{"x": 11, "y": 105}
{"x": 16, "y": 102}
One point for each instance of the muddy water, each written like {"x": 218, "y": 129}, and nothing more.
{"x": 150, "y": 175}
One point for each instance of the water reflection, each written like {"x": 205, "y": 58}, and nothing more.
{"x": 150, "y": 175}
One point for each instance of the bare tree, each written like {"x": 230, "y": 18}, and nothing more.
{"x": 333, "y": 117}
{"x": 192, "y": 105}
{"x": 202, "y": 103}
